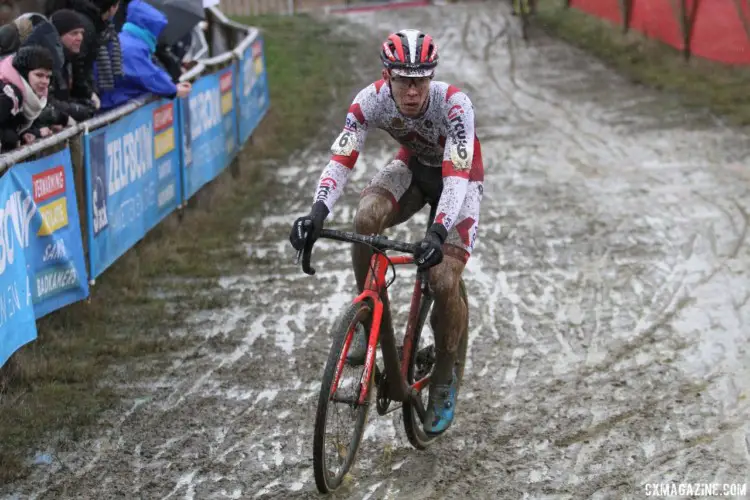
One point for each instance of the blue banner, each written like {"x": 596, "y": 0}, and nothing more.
{"x": 253, "y": 97}
{"x": 209, "y": 124}
{"x": 41, "y": 253}
{"x": 133, "y": 179}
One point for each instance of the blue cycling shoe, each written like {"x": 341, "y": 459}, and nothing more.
{"x": 441, "y": 408}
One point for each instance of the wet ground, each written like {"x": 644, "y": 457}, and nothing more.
{"x": 609, "y": 302}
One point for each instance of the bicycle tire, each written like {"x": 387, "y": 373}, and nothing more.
{"x": 352, "y": 314}
{"x": 413, "y": 426}
{"x": 412, "y": 423}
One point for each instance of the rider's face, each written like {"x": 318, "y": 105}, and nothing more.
{"x": 410, "y": 94}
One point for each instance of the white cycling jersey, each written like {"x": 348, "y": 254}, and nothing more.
{"x": 442, "y": 137}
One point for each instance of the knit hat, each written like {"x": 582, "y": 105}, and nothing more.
{"x": 66, "y": 20}
{"x": 32, "y": 57}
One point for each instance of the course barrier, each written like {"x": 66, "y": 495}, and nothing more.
{"x": 712, "y": 29}
{"x": 115, "y": 177}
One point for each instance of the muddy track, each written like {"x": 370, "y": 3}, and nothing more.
{"x": 609, "y": 295}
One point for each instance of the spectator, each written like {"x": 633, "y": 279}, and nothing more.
{"x": 165, "y": 55}
{"x": 15, "y": 33}
{"x": 100, "y": 46}
{"x": 70, "y": 27}
{"x": 138, "y": 40}
{"x": 25, "y": 80}
{"x": 51, "y": 118}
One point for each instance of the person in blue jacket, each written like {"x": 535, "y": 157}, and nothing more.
{"x": 142, "y": 75}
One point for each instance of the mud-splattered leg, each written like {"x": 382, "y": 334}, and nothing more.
{"x": 449, "y": 315}
{"x": 373, "y": 215}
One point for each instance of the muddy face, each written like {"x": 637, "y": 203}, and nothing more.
{"x": 410, "y": 94}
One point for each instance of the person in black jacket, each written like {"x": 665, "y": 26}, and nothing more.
{"x": 24, "y": 83}
{"x": 100, "y": 46}
{"x": 70, "y": 27}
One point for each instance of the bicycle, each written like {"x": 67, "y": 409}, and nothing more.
{"x": 406, "y": 371}
{"x": 524, "y": 9}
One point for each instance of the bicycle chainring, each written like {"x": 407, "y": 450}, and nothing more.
{"x": 382, "y": 402}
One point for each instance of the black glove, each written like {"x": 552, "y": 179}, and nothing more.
{"x": 430, "y": 252}
{"x": 302, "y": 233}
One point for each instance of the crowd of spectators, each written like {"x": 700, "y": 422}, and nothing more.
{"x": 80, "y": 58}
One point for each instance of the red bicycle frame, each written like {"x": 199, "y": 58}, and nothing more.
{"x": 376, "y": 292}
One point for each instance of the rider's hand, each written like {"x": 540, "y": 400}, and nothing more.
{"x": 430, "y": 252}
{"x": 301, "y": 234}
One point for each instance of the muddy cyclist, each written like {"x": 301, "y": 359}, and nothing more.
{"x": 439, "y": 162}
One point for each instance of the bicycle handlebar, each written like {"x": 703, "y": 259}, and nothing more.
{"x": 377, "y": 241}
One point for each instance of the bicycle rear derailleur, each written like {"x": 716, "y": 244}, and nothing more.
{"x": 424, "y": 363}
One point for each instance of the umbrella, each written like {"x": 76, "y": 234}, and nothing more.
{"x": 182, "y": 16}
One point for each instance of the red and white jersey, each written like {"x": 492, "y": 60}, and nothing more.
{"x": 442, "y": 137}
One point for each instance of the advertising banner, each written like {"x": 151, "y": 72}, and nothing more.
{"x": 253, "y": 96}
{"x": 209, "y": 124}
{"x": 133, "y": 179}
{"x": 42, "y": 266}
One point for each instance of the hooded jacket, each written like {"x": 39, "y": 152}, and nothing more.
{"x": 19, "y": 105}
{"x": 138, "y": 40}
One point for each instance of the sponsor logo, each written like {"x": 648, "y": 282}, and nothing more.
{"x": 163, "y": 117}
{"x": 15, "y": 218}
{"x": 258, "y": 66}
{"x": 461, "y": 154}
{"x": 325, "y": 187}
{"x": 55, "y": 251}
{"x": 226, "y": 103}
{"x": 129, "y": 158}
{"x": 164, "y": 143}
{"x": 48, "y": 184}
{"x": 225, "y": 82}
{"x": 248, "y": 76}
{"x": 54, "y": 216}
{"x": 205, "y": 112}
{"x": 54, "y": 280}
{"x": 98, "y": 182}
{"x": 166, "y": 195}
{"x": 257, "y": 49}
{"x": 455, "y": 111}
{"x": 351, "y": 125}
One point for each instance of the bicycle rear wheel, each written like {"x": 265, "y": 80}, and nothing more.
{"x": 422, "y": 359}
{"x": 419, "y": 367}
{"x": 342, "y": 405}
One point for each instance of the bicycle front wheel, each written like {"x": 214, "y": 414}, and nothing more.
{"x": 334, "y": 453}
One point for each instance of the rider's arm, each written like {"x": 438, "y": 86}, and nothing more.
{"x": 345, "y": 149}
{"x": 457, "y": 159}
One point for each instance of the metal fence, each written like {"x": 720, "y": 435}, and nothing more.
{"x": 73, "y": 203}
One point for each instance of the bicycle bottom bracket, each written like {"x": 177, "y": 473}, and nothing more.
{"x": 382, "y": 401}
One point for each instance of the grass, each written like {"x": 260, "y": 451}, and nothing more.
{"x": 698, "y": 83}
{"x": 50, "y": 391}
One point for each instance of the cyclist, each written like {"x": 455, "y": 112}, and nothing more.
{"x": 439, "y": 162}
